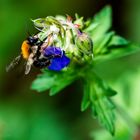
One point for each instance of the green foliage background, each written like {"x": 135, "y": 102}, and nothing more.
{"x": 26, "y": 114}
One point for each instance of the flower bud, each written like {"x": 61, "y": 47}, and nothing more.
{"x": 84, "y": 46}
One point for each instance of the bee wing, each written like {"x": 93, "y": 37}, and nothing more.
{"x": 13, "y": 63}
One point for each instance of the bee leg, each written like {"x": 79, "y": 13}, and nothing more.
{"x": 45, "y": 44}
{"x": 29, "y": 64}
{"x": 41, "y": 64}
{"x": 13, "y": 63}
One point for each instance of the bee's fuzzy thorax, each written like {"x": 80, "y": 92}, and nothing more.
{"x": 25, "y": 47}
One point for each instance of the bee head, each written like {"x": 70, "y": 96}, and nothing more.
{"x": 32, "y": 40}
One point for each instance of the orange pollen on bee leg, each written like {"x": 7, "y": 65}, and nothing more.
{"x": 25, "y": 49}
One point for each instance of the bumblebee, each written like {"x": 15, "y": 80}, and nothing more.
{"x": 40, "y": 54}
{"x": 31, "y": 52}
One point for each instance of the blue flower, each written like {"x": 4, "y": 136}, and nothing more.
{"x": 58, "y": 59}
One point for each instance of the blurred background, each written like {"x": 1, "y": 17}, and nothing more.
{"x": 28, "y": 115}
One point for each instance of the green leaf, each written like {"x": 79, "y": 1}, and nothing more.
{"x": 86, "y": 100}
{"x": 116, "y": 52}
{"x": 100, "y": 24}
{"x": 44, "y": 81}
{"x": 110, "y": 92}
{"x": 107, "y": 41}
{"x": 62, "y": 80}
{"x": 102, "y": 107}
{"x": 103, "y": 110}
{"x": 55, "y": 81}
{"x": 103, "y": 86}
{"x": 117, "y": 41}
{"x": 97, "y": 94}
{"x": 105, "y": 44}
{"x": 100, "y": 45}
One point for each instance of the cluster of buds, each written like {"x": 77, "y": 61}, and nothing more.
{"x": 67, "y": 35}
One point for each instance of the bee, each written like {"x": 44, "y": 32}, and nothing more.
{"x": 30, "y": 52}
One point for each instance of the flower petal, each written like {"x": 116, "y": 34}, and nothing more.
{"x": 59, "y": 63}
{"x": 58, "y": 59}
{"x": 51, "y": 50}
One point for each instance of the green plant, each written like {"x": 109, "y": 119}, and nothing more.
{"x": 106, "y": 46}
